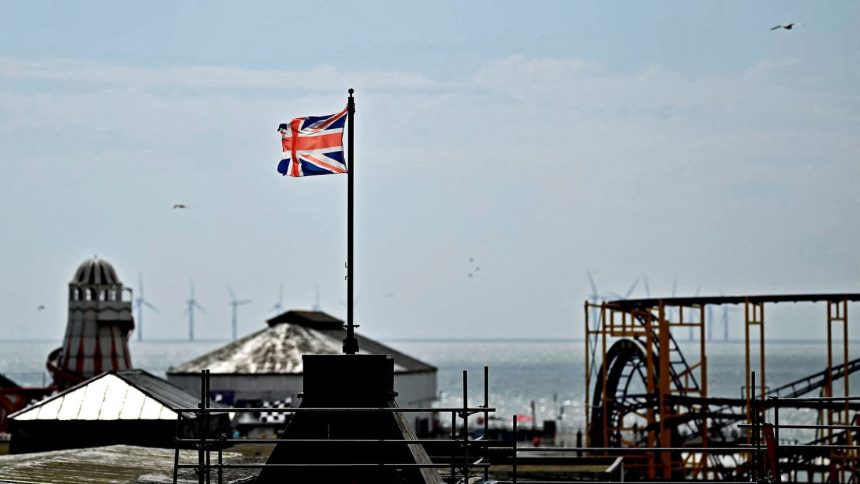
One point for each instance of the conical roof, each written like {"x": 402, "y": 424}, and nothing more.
{"x": 278, "y": 349}
{"x": 113, "y": 395}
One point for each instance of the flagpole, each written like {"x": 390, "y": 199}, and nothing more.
{"x": 350, "y": 344}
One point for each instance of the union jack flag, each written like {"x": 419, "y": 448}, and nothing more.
{"x": 313, "y": 145}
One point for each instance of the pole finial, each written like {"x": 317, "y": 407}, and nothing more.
{"x": 350, "y": 91}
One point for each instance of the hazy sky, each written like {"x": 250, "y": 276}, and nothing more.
{"x": 677, "y": 140}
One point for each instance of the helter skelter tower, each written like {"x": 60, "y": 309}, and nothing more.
{"x": 100, "y": 320}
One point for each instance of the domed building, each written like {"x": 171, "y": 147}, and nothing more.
{"x": 100, "y": 320}
{"x": 266, "y": 368}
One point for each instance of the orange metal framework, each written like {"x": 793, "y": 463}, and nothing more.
{"x": 650, "y": 324}
{"x": 654, "y": 333}
{"x": 843, "y": 463}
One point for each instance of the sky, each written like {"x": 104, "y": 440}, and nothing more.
{"x": 682, "y": 142}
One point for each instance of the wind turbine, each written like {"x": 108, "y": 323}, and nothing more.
{"x": 710, "y": 322}
{"x": 628, "y": 293}
{"x": 317, "y": 306}
{"x": 355, "y": 300}
{"x": 236, "y": 303}
{"x": 192, "y": 303}
{"x": 670, "y": 312}
{"x": 278, "y": 308}
{"x": 140, "y": 302}
{"x": 595, "y": 297}
{"x": 726, "y": 309}
{"x": 699, "y": 287}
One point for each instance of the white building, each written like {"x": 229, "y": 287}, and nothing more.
{"x": 129, "y": 407}
{"x": 266, "y": 366}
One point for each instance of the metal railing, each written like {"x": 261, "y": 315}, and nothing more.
{"x": 460, "y": 463}
{"x": 472, "y": 456}
{"x": 838, "y": 445}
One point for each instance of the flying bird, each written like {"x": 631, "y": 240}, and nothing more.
{"x": 41, "y": 307}
{"x": 179, "y": 205}
{"x": 475, "y": 269}
{"x": 786, "y": 27}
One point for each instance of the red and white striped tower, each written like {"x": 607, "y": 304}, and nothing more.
{"x": 100, "y": 320}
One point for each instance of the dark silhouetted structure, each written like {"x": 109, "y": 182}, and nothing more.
{"x": 359, "y": 381}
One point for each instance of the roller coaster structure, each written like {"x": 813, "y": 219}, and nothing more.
{"x": 643, "y": 391}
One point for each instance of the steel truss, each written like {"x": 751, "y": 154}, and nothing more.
{"x": 643, "y": 391}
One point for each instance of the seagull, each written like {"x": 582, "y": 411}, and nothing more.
{"x": 786, "y": 27}
{"x": 179, "y": 205}
{"x": 41, "y": 307}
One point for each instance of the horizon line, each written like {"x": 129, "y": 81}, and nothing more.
{"x": 448, "y": 339}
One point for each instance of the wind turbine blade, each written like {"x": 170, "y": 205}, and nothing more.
{"x": 674, "y": 286}
{"x": 246, "y": 301}
{"x": 632, "y": 288}
{"x": 139, "y": 284}
{"x": 199, "y": 306}
{"x": 591, "y": 282}
{"x": 647, "y": 287}
{"x": 614, "y": 295}
{"x": 232, "y": 294}
{"x": 149, "y": 305}
{"x": 698, "y": 288}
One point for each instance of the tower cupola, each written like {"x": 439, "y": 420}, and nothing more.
{"x": 100, "y": 320}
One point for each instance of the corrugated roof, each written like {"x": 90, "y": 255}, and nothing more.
{"x": 159, "y": 389}
{"x": 279, "y": 348}
{"x": 114, "y": 395}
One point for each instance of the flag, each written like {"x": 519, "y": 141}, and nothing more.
{"x": 313, "y": 145}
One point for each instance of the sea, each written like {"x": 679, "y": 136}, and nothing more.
{"x": 547, "y": 374}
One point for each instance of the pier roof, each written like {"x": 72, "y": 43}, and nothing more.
{"x": 278, "y": 348}
{"x": 113, "y": 395}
